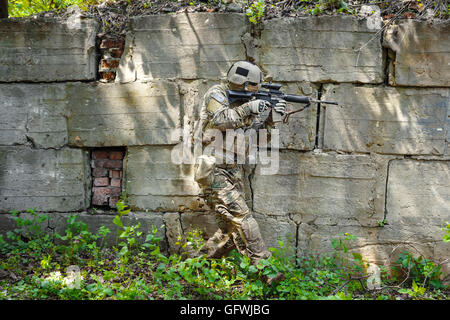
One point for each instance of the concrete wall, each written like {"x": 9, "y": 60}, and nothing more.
{"x": 383, "y": 154}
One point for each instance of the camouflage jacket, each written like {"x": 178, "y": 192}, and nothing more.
{"x": 217, "y": 113}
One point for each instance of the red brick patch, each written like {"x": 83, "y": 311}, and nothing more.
{"x": 112, "y": 201}
{"x": 98, "y": 154}
{"x": 101, "y": 182}
{"x": 111, "y": 50}
{"x": 116, "y": 183}
{"x": 116, "y": 53}
{"x": 116, "y": 174}
{"x": 101, "y": 196}
{"x": 102, "y": 190}
{"x": 108, "y": 75}
{"x": 107, "y": 167}
{"x": 98, "y": 163}
{"x": 111, "y": 43}
{"x": 99, "y": 200}
{"x": 113, "y": 164}
{"x": 116, "y": 155}
{"x": 109, "y": 64}
{"x": 115, "y": 191}
{"x": 99, "y": 172}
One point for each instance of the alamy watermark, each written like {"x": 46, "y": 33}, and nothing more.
{"x": 73, "y": 278}
{"x": 232, "y": 146}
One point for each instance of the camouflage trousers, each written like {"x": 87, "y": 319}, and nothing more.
{"x": 237, "y": 227}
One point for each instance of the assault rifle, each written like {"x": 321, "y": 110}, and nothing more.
{"x": 273, "y": 95}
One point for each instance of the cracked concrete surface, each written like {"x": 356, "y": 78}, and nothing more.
{"x": 380, "y": 156}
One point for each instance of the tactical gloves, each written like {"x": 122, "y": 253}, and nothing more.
{"x": 280, "y": 107}
{"x": 257, "y": 106}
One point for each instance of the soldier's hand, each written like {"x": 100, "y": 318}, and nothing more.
{"x": 280, "y": 107}
{"x": 257, "y": 106}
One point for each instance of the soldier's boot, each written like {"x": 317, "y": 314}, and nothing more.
{"x": 256, "y": 249}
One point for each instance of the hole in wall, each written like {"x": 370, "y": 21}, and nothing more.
{"x": 107, "y": 176}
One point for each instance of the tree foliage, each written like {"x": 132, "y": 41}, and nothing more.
{"x": 24, "y": 8}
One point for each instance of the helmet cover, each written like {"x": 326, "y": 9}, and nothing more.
{"x": 244, "y": 71}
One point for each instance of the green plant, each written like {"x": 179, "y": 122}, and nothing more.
{"x": 446, "y": 229}
{"x": 30, "y": 228}
{"x": 79, "y": 239}
{"x": 341, "y": 253}
{"x": 340, "y": 295}
{"x": 256, "y": 11}
{"x": 416, "y": 291}
{"x": 128, "y": 235}
{"x": 46, "y": 262}
{"x": 29, "y": 235}
{"x": 419, "y": 269}
{"x": 147, "y": 4}
{"x": 23, "y": 8}
{"x": 316, "y": 10}
{"x": 145, "y": 272}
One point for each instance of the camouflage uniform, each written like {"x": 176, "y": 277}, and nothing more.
{"x": 224, "y": 191}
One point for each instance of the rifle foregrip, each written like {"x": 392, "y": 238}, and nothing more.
{"x": 295, "y": 98}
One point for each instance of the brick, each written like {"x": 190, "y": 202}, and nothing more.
{"x": 111, "y": 43}
{"x": 113, "y": 164}
{"x": 99, "y": 200}
{"x": 99, "y": 172}
{"x": 109, "y": 64}
{"x": 98, "y": 163}
{"x": 100, "y": 196}
{"x": 99, "y": 154}
{"x": 115, "y": 191}
{"x": 116, "y": 155}
{"x": 101, "y": 191}
{"x": 112, "y": 201}
{"x": 116, "y": 182}
{"x": 115, "y": 53}
{"x": 116, "y": 174}
{"x": 101, "y": 182}
{"x": 108, "y": 75}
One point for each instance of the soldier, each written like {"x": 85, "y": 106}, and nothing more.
{"x": 221, "y": 182}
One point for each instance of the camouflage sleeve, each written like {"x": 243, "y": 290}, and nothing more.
{"x": 230, "y": 118}
{"x": 220, "y": 115}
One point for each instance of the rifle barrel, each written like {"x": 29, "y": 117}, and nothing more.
{"x": 323, "y": 101}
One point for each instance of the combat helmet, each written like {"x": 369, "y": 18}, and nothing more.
{"x": 245, "y": 72}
